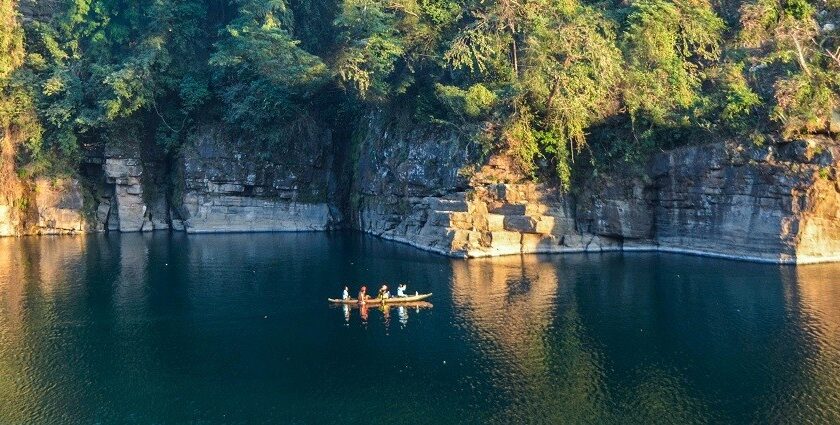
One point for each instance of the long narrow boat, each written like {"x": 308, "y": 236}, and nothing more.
{"x": 392, "y": 300}
{"x": 376, "y": 305}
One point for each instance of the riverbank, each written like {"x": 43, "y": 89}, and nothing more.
{"x": 630, "y": 249}
{"x": 777, "y": 203}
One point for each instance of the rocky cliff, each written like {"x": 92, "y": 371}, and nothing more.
{"x": 418, "y": 187}
{"x": 776, "y": 203}
{"x": 38, "y": 205}
{"x": 227, "y": 185}
{"x": 48, "y": 207}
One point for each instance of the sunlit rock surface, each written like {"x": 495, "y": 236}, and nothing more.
{"x": 778, "y": 203}
{"x": 60, "y": 206}
{"x": 418, "y": 188}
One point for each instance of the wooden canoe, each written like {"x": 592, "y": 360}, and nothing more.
{"x": 375, "y": 305}
{"x": 392, "y": 300}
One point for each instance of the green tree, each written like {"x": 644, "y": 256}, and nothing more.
{"x": 546, "y": 80}
{"x": 788, "y": 36}
{"x": 666, "y": 44}
{"x": 371, "y": 46}
{"x": 18, "y": 120}
{"x": 262, "y": 73}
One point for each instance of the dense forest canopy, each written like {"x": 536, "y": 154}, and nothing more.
{"x": 546, "y": 80}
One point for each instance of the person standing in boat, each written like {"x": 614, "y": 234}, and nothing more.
{"x": 345, "y": 295}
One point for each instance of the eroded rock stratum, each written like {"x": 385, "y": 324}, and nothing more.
{"x": 776, "y": 203}
{"x": 230, "y": 186}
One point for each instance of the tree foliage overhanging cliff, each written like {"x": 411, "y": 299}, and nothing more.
{"x": 542, "y": 79}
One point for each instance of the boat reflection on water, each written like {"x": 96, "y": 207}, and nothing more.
{"x": 402, "y": 310}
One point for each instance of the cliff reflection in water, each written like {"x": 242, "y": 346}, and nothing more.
{"x": 525, "y": 325}
{"x": 170, "y": 328}
{"x": 639, "y": 338}
{"x": 33, "y": 278}
{"x": 813, "y": 300}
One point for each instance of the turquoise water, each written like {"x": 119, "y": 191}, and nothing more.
{"x": 211, "y": 329}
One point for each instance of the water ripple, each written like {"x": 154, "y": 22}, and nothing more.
{"x": 234, "y": 329}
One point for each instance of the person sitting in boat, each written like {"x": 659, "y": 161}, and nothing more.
{"x": 345, "y": 295}
{"x": 362, "y": 295}
{"x": 401, "y": 290}
{"x": 383, "y": 293}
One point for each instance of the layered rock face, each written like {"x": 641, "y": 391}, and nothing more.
{"x": 124, "y": 209}
{"x": 401, "y": 178}
{"x": 778, "y": 203}
{"x": 217, "y": 185}
{"x": 59, "y": 205}
{"x": 417, "y": 188}
{"x": 37, "y": 206}
{"x": 130, "y": 189}
{"x": 46, "y": 206}
{"x": 228, "y": 186}
{"x": 53, "y": 207}
{"x": 496, "y": 219}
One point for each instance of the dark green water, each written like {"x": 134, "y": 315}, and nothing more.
{"x": 235, "y": 329}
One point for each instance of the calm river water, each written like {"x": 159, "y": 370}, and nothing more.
{"x": 162, "y": 328}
